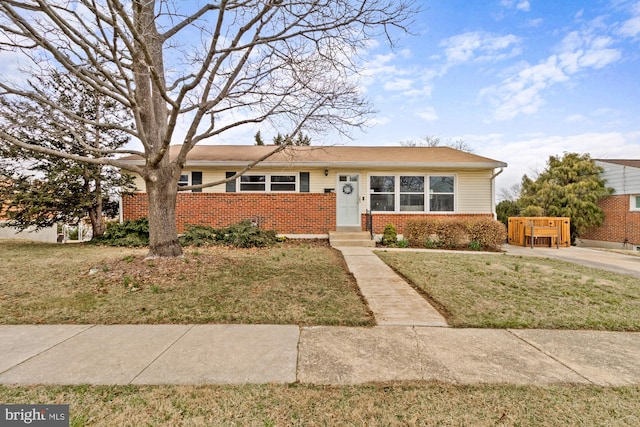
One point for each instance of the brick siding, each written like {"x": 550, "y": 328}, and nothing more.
{"x": 619, "y": 222}
{"x": 398, "y": 219}
{"x": 291, "y": 213}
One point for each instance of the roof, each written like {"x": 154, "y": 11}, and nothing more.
{"x": 622, "y": 162}
{"x": 324, "y": 156}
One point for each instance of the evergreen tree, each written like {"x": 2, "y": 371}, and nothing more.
{"x": 300, "y": 140}
{"x": 46, "y": 190}
{"x": 258, "y": 138}
{"x": 506, "y": 209}
{"x": 570, "y": 186}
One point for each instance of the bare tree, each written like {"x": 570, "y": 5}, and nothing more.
{"x": 202, "y": 67}
{"x": 435, "y": 141}
{"x": 511, "y": 193}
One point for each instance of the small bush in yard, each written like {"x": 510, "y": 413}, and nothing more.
{"x": 131, "y": 233}
{"x": 472, "y": 233}
{"x": 243, "y": 235}
{"x": 198, "y": 235}
{"x": 246, "y": 235}
{"x": 489, "y": 233}
{"x": 136, "y": 233}
{"x": 390, "y": 235}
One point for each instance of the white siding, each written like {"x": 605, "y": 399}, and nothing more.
{"x": 474, "y": 192}
{"x": 48, "y": 234}
{"x": 623, "y": 179}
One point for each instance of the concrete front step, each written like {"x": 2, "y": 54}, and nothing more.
{"x": 351, "y": 238}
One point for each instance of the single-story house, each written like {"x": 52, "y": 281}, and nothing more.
{"x": 621, "y": 227}
{"x": 312, "y": 190}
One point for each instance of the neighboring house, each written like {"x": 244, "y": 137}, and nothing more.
{"x": 48, "y": 234}
{"x": 313, "y": 190}
{"x": 621, "y": 228}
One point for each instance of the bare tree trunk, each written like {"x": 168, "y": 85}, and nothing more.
{"x": 95, "y": 213}
{"x": 162, "y": 190}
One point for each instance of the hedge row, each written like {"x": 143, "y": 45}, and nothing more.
{"x": 473, "y": 233}
{"x": 135, "y": 233}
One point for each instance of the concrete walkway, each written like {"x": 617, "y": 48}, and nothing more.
{"x": 392, "y": 300}
{"x": 240, "y": 354}
{"x": 413, "y": 345}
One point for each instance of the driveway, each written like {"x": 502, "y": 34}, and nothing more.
{"x": 612, "y": 261}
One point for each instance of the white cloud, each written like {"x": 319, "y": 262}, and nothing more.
{"x": 392, "y": 73}
{"x": 522, "y": 5}
{"x": 428, "y": 114}
{"x": 479, "y": 46}
{"x": 631, "y": 27}
{"x": 527, "y": 155}
{"x": 575, "y": 118}
{"x": 522, "y": 92}
{"x": 535, "y": 23}
{"x": 399, "y": 84}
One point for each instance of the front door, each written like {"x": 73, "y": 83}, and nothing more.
{"x": 347, "y": 200}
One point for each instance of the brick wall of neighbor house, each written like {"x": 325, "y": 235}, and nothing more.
{"x": 398, "y": 220}
{"x": 619, "y": 222}
{"x": 291, "y": 213}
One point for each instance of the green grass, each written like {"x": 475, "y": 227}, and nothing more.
{"x": 293, "y": 283}
{"x": 503, "y": 291}
{"x": 306, "y": 405}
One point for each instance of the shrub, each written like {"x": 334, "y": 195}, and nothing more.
{"x": 198, "y": 235}
{"x": 246, "y": 235}
{"x": 474, "y": 233}
{"x": 390, "y": 235}
{"x": 489, "y": 233}
{"x": 129, "y": 233}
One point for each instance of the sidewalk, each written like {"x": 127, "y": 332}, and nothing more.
{"x": 239, "y": 354}
{"x": 411, "y": 343}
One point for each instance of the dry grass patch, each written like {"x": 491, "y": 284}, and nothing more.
{"x": 304, "y": 405}
{"x": 294, "y": 283}
{"x": 503, "y": 291}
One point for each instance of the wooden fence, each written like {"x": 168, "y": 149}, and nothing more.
{"x": 539, "y": 231}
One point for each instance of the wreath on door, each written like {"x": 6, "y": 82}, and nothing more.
{"x": 347, "y": 189}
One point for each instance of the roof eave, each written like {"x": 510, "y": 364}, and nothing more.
{"x": 342, "y": 165}
{"x": 345, "y": 165}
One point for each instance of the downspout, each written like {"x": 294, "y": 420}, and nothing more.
{"x": 120, "y": 212}
{"x": 493, "y": 193}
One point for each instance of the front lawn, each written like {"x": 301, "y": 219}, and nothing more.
{"x": 504, "y": 291}
{"x": 293, "y": 283}
{"x": 369, "y": 405}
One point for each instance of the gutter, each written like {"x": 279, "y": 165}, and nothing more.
{"x": 343, "y": 165}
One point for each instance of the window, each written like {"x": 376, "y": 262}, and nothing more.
{"x": 273, "y": 183}
{"x": 635, "y": 203}
{"x": 191, "y": 178}
{"x": 382, "y": 193}
{"x": 441, "y": 194}
{"x": 408, "y": 193}
{"x": 412, "y": 193}
{"x": 283, "y": 183}
{"x": 253, "y": 183}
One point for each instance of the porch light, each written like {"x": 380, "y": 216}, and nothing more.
{"x": 326, "y": 172}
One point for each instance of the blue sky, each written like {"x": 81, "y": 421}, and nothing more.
{"x": 518, "y": 80}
